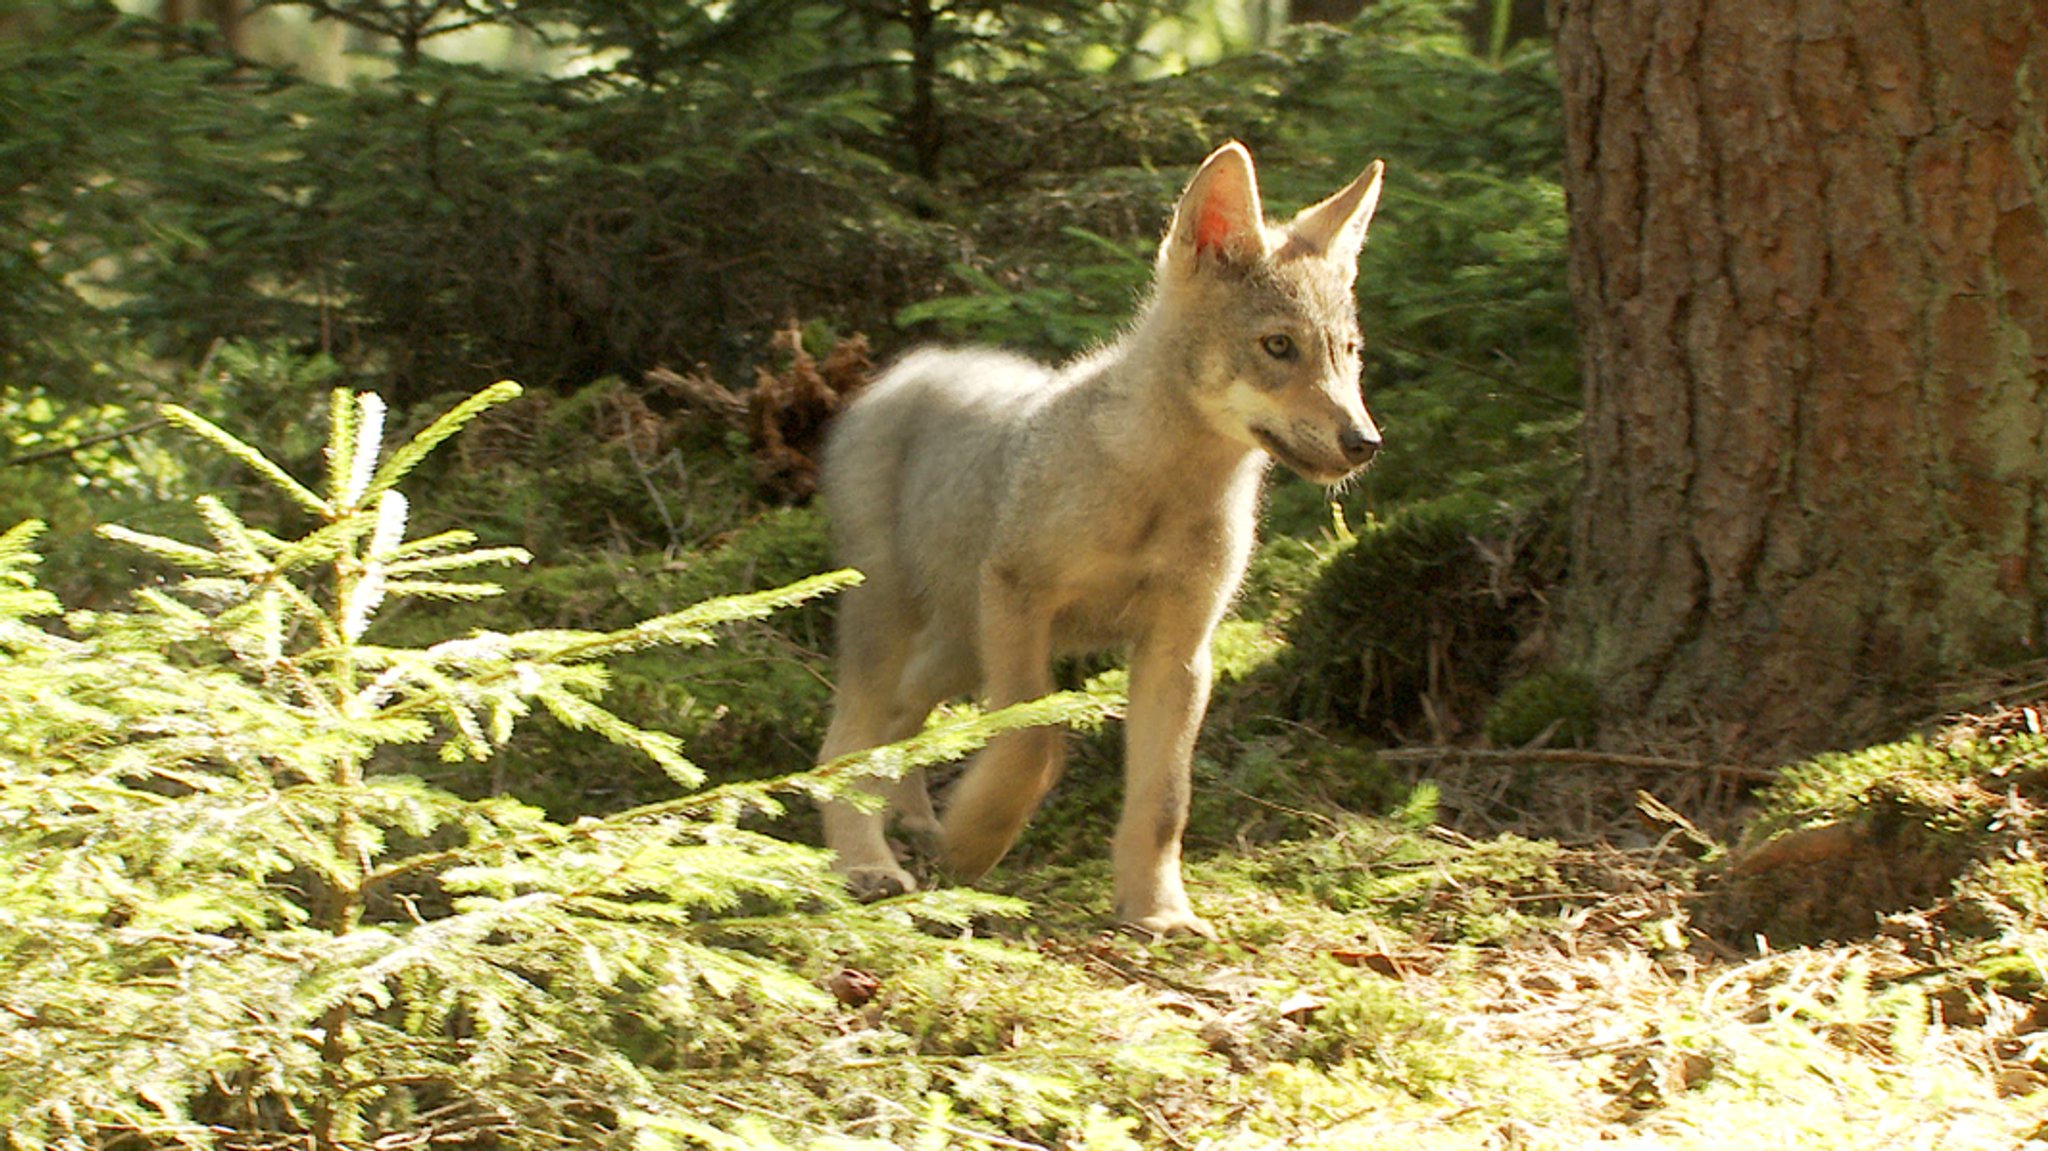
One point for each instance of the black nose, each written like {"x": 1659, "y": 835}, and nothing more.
{"x": 1358, "y": 444}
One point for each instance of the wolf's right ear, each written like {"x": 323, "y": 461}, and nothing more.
{"x": 1219, "y": 214}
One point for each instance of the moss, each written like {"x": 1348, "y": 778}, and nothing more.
{"x": 2002, "y": 904}
{"x": 1388, "y": 871}
{"x": 1847, "y": 839}
{"x": 1562, "y": 705}
{"x": 1366, "y": 1017}
{"x": 1417, "y": 621}
{"x": 1940, "y": 779}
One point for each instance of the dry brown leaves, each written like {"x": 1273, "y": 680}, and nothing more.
{"x": 786, "y": 412}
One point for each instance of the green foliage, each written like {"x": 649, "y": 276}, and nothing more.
{"x": 60, "y": 213}
{"x": 679, "y": 522}
{"x": 1083, "y": 305}
{"x": 1562, "y": 708}
{"x": 1463, "y": 296}
{"x": 751, "y": 707}
{"x": 999, "y": 174}
{"x": 227, "y": 916}
{"x": 448, "y": 220}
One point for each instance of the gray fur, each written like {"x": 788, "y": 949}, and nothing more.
{"x": 1004, "y": 512}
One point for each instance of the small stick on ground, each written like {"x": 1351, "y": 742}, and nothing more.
{"x": 1570, "y": 755}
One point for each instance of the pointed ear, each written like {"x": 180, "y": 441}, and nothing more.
{"x": 1335, "y": 228}
{"x": 1219, "y": 214}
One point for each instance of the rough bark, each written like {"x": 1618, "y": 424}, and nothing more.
{"x": 1810, "y": 258}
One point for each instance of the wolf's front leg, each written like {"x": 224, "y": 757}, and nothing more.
{"x": 1170, "y": 673}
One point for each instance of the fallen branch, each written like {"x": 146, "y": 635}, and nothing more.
{"x": 1573, "y": 755}
{"x": 785, "y": 413}
{"x": 1676, "y": 828}
{"x": 699, "y": 391}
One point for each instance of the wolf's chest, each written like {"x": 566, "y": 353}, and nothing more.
{"x": 1159, "y": 561}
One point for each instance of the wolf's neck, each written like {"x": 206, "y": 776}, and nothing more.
{"x": 1150, "y": 375}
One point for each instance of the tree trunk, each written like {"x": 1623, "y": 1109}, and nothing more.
{"x": 1810, "y": 259}
{"x": 927, "y": 134}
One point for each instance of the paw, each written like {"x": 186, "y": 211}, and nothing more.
{"x": 1166, "y": 922}
{"x": 868, "y": 884}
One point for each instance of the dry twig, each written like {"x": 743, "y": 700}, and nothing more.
{"x": 1439, "y": 754}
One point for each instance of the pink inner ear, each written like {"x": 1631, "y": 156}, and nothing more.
{"x": 1213, "y": 227}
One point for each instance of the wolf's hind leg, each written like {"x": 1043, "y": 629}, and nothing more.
{"x": 910, "y": 803}
{"x": 940, "y": 668}
{"x": 875, "y": 650}
{"x": 1004, "y": 784}
{"x": 856, "y": 836}
{"x": 888, "y": 685}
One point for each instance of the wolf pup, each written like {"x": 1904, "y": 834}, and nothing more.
{"x": 1005, "y": 512}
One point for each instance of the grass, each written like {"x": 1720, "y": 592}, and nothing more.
{"x": 1388, "y": 981}
{"x": 1385, "y": 981}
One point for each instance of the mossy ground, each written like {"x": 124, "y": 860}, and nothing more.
{"x": 1386, "y": 985}
{"x": 1385, "y": 981}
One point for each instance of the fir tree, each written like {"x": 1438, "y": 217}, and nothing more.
{"x": 222, "y": 924}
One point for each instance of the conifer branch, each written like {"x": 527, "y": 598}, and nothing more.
{"x": 341, "y": 443}
{"x": 249, "y": 457}
{"x": 368, "y": 443}
{"x": 321, "y": 545}
{"x": 183, "y": 554}
{"x": 240, "y": 548}
{"x": 457, "y": 561}
{"x": 405, "y": 459}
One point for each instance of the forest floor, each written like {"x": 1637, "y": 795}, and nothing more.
{"x": 1586, "y": 970}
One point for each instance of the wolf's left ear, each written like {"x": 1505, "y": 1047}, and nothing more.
{"x": 1335, "y": 228}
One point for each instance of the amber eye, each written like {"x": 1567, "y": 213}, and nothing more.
{"x": 1280, "y": 346}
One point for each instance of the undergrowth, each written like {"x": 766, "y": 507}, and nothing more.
{"x": 232, "y": 914}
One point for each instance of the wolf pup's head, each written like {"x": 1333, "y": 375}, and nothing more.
{"x": 1268, "y": 314}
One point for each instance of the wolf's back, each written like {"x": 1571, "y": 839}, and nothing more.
{"x": 914, "y": 470}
